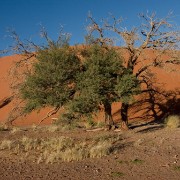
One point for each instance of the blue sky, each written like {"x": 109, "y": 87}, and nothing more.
{"x": 25, "y": 16}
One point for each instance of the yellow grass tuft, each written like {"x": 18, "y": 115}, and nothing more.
{"x": 78, "y": 152}
{"x": 53, "y": 128}
{"x": 102, "y": 148}
{"x": 172, "y": 121}
{"x": 5, "y": 144}
{"x": 55, "y": 149}
{"x": 15, "y": 130}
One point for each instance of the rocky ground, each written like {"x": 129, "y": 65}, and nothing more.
{"x": 145, "y": 152}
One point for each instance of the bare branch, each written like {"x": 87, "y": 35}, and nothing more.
{"x": 5, "y": 101}
{"x": 95, "y": 27}
{"x": 49, "y": 114}
{"x": 157, "y": 33}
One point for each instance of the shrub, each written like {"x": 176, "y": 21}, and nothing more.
{"x": 137, "y": 161}
{"x": 172, "y": 121}
{"x": 15, "y": 130}
{"x": 102, "y": 148}
{"x": 117, "y": 174}
{"x": 3, "y": 127}
{"x": 5, "y": 144}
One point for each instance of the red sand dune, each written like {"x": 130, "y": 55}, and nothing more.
{"x": 171, "y": 82}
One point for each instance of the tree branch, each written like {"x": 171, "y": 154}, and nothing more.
{"x": 49, "y": 114}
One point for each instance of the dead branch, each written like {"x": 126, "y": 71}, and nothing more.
{"x": 5, "y": 101}
{"x": 49, "y": 114}
{"x": 94, "y": 130}
{"x": 153, "y": 33}
{"x": 95, "y": 27}
{"x": 16, "y": 112}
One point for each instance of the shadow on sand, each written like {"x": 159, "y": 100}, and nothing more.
{"x": 152, "y": 107}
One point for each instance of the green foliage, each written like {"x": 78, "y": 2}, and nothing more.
{"x": 117, "y": 174}
{"x": 137, "y": 161}
{"x": 103, "y": 80}
{"x": 60, "y": 78}
{"x": 52, "y": 82}
{"x": 127, "y": 86}
{"x": 96, "y": 83}
{"x": 177, "y": 168}
{"x": 90, "y": 122}
{"x": 66, "y": 118}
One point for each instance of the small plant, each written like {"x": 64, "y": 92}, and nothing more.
{"x": 66, "y": 121}
{"x": 102, "y": 148}
{"x": 51, "y": 158}
{"x": 53, "y": 128}
{"x": 5, "y": 144}
{"x": 1, "y": 127}
{"x": 177, "y": 168}
{"x": 137, "y": 161}
{"x": 26, "y": 143}
{"x": 122, "y": 162}
{"x": 100, "y": 124}
{"x": 90, "y": 123}
{"x": 78, "y": 152}
{"x": 15, "y": 130}
{"x": 172, "y": 121}
{"x": 34, "y": 127}
{"x": 108, "y": 137}
{"x": 117, "y": 174}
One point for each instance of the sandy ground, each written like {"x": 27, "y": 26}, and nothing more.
{"x": 146, "y": 152}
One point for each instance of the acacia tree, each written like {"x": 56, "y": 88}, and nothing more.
{"x": 154, "y": 34}
{"x": 42, "y": 74}
{"x": 97, "y": 81}
{"x": 102, "y": 82}
{"x": 52, "y": 82}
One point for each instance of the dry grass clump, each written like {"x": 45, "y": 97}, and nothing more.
{"x": 55, "y": 149}
{"x": 62, "y": 125}
{"x": 3, "y": 127}
{"x": 172, "y": 121}
{"x": 102, "y": 148}
{"x": 53, "y": 128}
{"x": 15, "y": 130}
{"x": 5, "y": 144}
{"x": 104, "y": 145}
{"x": 34, "y": 127}
{"x": 56, "y": 128}
{"x": 78, "y": 152}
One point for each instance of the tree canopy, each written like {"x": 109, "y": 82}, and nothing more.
{"x": 104, "y": 80}
{"x": 51, "y": 82}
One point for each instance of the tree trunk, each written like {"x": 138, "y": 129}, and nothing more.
{"x": 152, "y": 101}
{"x": 108, "y": 116}
{"x": 124, "y": 116}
